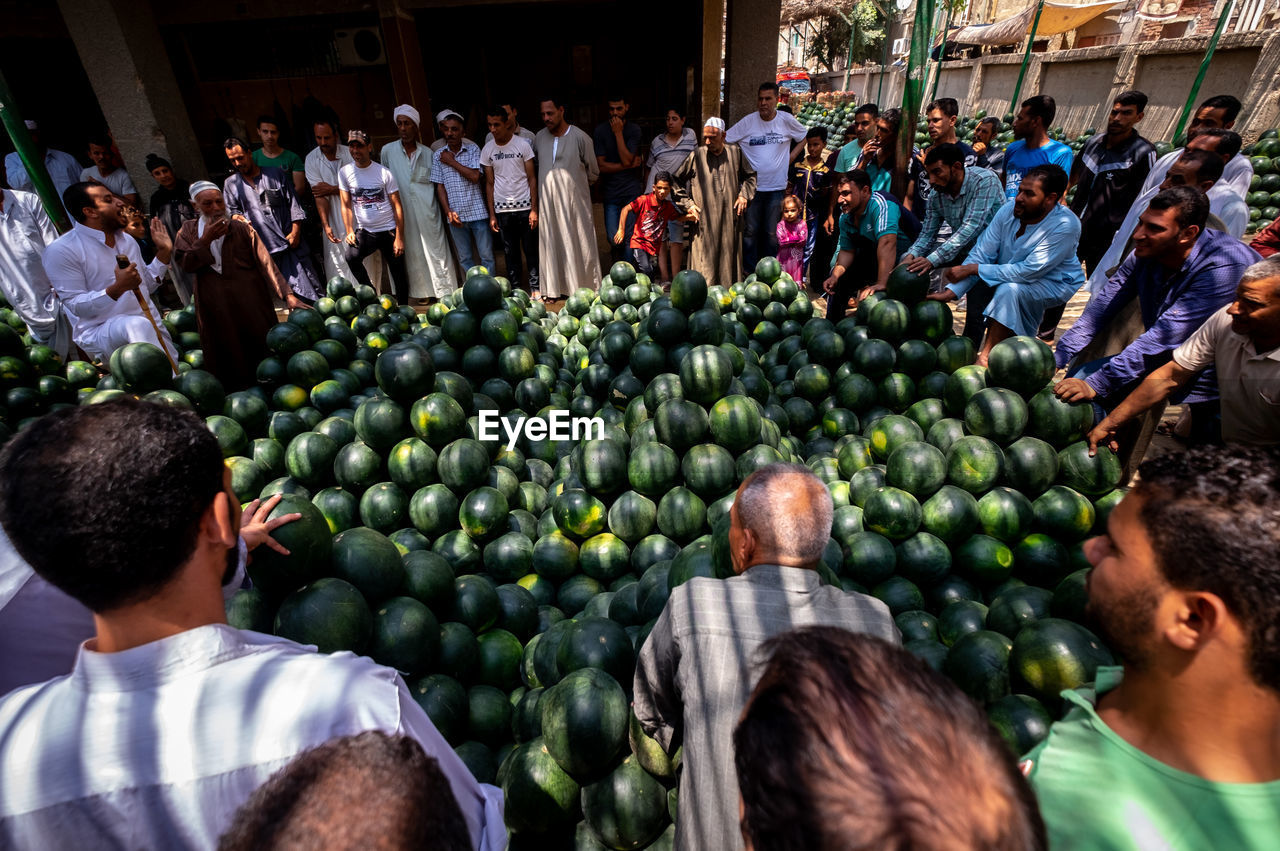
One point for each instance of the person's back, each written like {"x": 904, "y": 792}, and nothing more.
{"x": 694, "y": 671}
{"x": 170, "y": 718}
{"x": 1182, "y": 751}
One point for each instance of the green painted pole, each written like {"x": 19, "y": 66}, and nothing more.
{"x": 1228, "y": 5}
{"x": 1026, "y": 59}
{"x": 31, "y": 158}
{"x": 913, "y": 88}
{"x": 942, "y": 55}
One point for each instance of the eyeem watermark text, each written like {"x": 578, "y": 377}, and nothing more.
{"x": 559, "y": 425}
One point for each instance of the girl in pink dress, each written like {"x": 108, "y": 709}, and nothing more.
{"x": 792, "y": 234}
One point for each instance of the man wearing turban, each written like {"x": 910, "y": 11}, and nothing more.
{"x": 431, "y": 271}
{"x": 235, "y": 280}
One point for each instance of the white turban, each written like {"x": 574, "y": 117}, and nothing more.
{"x": 715, "y": 122}
{"x": 202, "y": 186}
{"x": 405, "y": 109}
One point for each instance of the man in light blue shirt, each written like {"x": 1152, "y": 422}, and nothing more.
{"x": 1026, "y": 259}
{"x": 1032, "y": 146}
{"x": 63, "y": 168}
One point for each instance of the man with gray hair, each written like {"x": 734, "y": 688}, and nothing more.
{"x": 696, "y": 668}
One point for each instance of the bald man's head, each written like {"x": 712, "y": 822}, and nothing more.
{"x": 781, "y": 515}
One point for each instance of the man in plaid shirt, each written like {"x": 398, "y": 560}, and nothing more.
{"x": 456, "y": 172}
{"x": 966, "y": 200}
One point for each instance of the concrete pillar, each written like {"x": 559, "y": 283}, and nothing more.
{"x": 712, "y": 57}
{"x": 127, "y": 65}
{"x": 751, "y": 56}
{"x": 404, "y": 61}
{"x": 1261, "y": 101}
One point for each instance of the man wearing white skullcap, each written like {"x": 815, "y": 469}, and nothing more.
{"x": 63, "y": 168}
{"x": 717, "y": 182}
{"x": 235, "y": 279}
{"x": 430, "y": 266}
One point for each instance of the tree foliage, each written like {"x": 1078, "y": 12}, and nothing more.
{"x": 864, "y": 22}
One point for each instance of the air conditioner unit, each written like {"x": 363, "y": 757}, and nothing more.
{"x": 362, "y": 46}
{"x": 900, "y": 45}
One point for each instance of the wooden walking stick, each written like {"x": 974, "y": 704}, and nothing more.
{"x": 123, "y": 262}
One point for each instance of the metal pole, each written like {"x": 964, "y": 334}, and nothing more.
{"x": 942, "y": 55}
{"x": 848, "y": 59}
{"x": 31, "y": 158}
{"x": 884, "y": 60}
{"x": 1228, "y": 5}
{"x": 1026, "y": 59}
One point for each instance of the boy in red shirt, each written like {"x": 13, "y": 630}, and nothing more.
{"x": 654, "y": 211}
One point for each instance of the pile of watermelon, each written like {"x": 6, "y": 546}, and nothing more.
{"x": 1264, "y": 188}
{"x": 514, "y": 586}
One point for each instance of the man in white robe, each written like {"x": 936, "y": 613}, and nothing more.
{"x": 25, "y": 232}
{"x": 432, "y": 273}
{"x": 102, "y": 299}
{"x": 568, "y": 254}
{"x": 170, "y": 718}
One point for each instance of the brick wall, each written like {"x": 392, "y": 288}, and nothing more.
{"x": 1202, "y": 23}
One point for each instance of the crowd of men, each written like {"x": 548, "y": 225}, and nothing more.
{"x": 132, "y": 715}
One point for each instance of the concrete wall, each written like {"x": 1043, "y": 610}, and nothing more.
{"x": 1083, "y": 81}
{"x": 1082, "y": 91}
{"x": 1167, "y": 80}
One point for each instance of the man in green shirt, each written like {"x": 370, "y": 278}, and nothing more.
{"x": 271, "y": 155}
{"x": 1183, "y": 752}
{"x": 870, "y": 243}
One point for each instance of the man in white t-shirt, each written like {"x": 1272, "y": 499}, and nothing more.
{"x": 512, "y": 196}
{"x": 765, "y": 137}
{"x": 372, "y": 215}
{"x": 513, "y": 126}
{"x": 105, "y": 172}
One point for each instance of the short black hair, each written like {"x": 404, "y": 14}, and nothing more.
{"x": 846, "y": 734}
{"x": 768, "y": 85}
{"x": 403, "y": 797}
{"x": 1132, "y": 97}
{"x": 1208, "y": 166}
{"x": 992, "y": 120}
{"x": 556, "y": 100}
{"x": 870, "y": 109}
{"x": 1043, "y": 107}
{"x": 678, "y": 109}
{"x": 858, "y": 177}
{"x": 892, "y": 117}
{"x": 1229, "y": 103}
{"x": 1053, "y": 179}
{"x": 1210, "y": 513}
{"x": 816, "y": 133}
{"x": 76, "y": 197}
{"x": 267, "y": 119}
{"x": 101, "y": 138}
{"x": 105, "y": 501}
{"x": 1191, "y": 205}
{"x": 616, "y": 97}
{"x": 328, "y": 122}
{"x": 948, "y": 154}
{"x": 664, "y": 175}
{"x": 499, "y": 110}
{"x": 947, "y": 106}
{"x": 1229, "y": 141}
{"x": 235, "y": 142}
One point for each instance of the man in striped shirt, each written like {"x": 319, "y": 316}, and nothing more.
{"x": 698, "y": 665}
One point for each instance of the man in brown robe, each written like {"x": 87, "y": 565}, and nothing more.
{"x": 235, "y": 279}
{"x": 719, "y": 182}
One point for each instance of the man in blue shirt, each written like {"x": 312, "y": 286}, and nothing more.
{"x": 617, "y": 144}
{"x": 870, "y": 242}
{"x": 265, "y": 197}
{"x": 1181, "y": 274}
{"x": 1032, "y": 146}
{"x": 1026, "y": 257}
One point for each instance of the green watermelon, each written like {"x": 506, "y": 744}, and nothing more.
{"x": 1091, "y": 476}
{"x": 1050, "y": 655}
{"x": 584, "y": 721}
{"x": 328, "y": 613}
{"x": 1022, "y": 364}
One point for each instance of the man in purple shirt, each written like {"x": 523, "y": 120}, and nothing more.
{"x": 1181, "y": 274}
